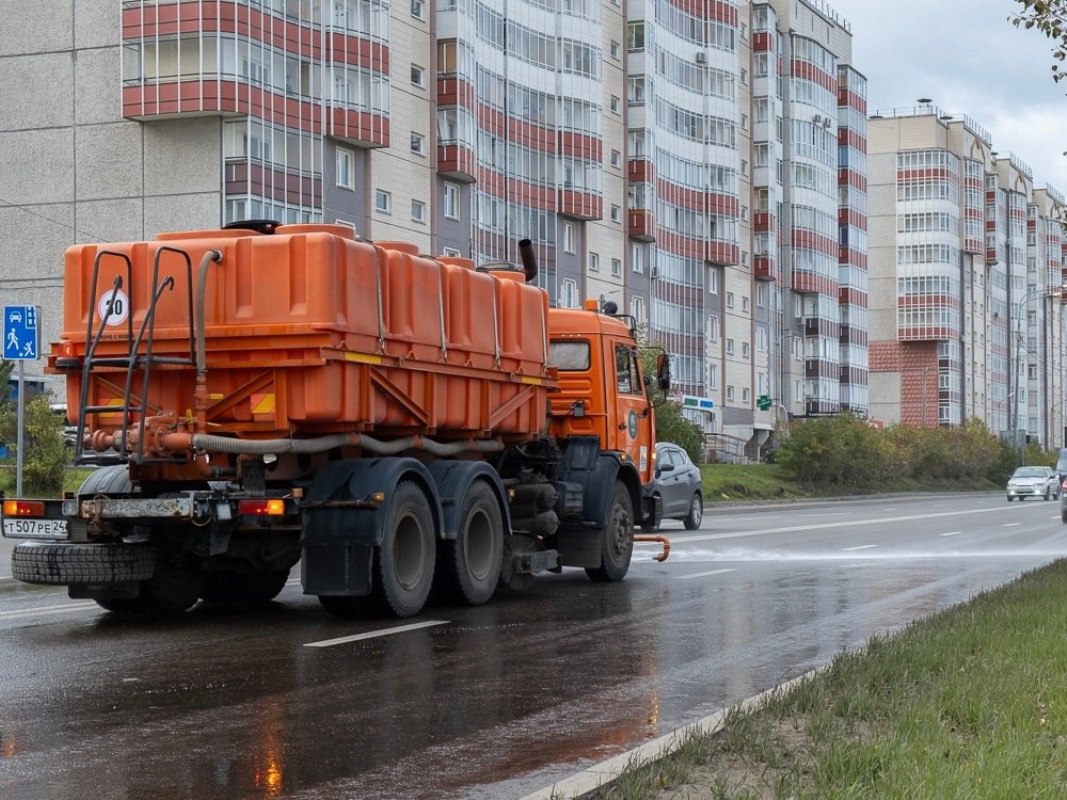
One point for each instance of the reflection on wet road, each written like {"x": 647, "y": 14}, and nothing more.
{"x": 491, "y": 702}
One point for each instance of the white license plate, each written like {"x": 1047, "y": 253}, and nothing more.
{"x": 35, "y": 528}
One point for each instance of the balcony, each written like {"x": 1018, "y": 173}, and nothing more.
{"x": 641, "y": 224}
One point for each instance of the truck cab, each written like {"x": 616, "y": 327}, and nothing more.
{"x": 601, "y": 389}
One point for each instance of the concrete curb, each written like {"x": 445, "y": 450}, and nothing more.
{"x": 605, "y": 772}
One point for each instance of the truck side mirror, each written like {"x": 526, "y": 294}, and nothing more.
{"x": 663, "y": 372}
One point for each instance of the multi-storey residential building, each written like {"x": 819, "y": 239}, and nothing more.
{"x": 966, "y": 263}
{"x": 703, "y": 166}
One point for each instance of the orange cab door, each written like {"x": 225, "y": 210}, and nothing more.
{"x": 630, "y": 416}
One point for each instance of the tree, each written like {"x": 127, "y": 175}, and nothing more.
{"x": 671, "y": 423}
{"x": 1049, "y": 17}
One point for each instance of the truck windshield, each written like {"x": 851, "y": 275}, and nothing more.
{"x": 570, "y": 355}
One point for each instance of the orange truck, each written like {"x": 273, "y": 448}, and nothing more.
{"x": 264, "y": 394}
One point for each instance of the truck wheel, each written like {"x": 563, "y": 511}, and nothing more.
{"x": 468, "y": 567}
{"x": 229, "y": 586}
{"x": 403, "y": 564}
{"x": 112, "y": 479}
{"x": 618, "y": 544}
{"x": 63, "y": 564}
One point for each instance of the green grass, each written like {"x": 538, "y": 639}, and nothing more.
{"x": 968, "y": 703}
{"x": 73, "y": 477}
{"x": 747, "y": 482}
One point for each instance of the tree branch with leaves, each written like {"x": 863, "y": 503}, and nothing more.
{"x": 1050, "y": 18}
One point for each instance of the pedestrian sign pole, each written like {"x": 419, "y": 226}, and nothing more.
{"x": 22, "y": 340}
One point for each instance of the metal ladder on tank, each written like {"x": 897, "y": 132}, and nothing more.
{"x": 132, "y": 407}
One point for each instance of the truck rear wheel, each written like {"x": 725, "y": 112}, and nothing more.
{"x": 404, "y": 562}
{"x": 468, "y": 567}
{"x": 230, "y": 586}
{"x": 618, "y": 543}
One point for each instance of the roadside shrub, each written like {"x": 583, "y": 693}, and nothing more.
{"x": 672, "y": 426}
{"x": 846, "y": 452}
{"x": 835, "y": 452}
{"x": 44, "y": 455}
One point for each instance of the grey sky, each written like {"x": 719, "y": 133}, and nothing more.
{"x": 966, "y": 57}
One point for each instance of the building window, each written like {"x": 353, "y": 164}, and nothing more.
{"x": 729, "y": 299}
{"x": 729, "y": 347}
{"x": 730, "y": 393}
{"x": 744, "y": 302}
{"x": 614, "y": 104}
{"x": 383, "y": 201}
{"x": 713, "y": 376}
{"x": 616, "y": 213}
{"x": 745, "y": 349}
{"x": 569, "y": 294}
{"x": 637, "y": 257}
{"x": 616, "y": 158}
{"x": 614, "y": 49}
{"x": 594, "y": 262}
{"x": 637, "y": 309}
{"x": 745, "y": 395}
{"x": 418, "y": 9}
{"x": 418, "y": 211}
{"x": 713, "y": 328}
{"x": 418, "y": 143}
{"x": 761, "y": 295}
{"x": 568, "y": 237}
{"x": 346, "y": 161}
{"x": 451, "y": 209}
{"x": 616, "y": 267}
{"x": 418, "y": 76}
{"x": 451, "y": 252}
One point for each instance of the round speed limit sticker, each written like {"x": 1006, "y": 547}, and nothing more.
{"x": 114, "y": 306}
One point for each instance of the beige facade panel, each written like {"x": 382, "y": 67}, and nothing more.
{"x": 97, "y": 24}
{"x": 183, "y": 157}
{"x": 176, "y": 212}
{"x": 37, "y": 91}
{"x": 43, "y": 26}
{"x": 97, "y": 91}
{"x": 108, "y": 159}
{"x": 32, "y": 246}
{"x": 40, "y": 163}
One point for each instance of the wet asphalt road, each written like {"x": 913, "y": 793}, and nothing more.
{"x": 486, "y": 703}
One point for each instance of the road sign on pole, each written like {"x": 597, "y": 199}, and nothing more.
{"x": 22, "y": 343}
{"x": 22, "y": 337}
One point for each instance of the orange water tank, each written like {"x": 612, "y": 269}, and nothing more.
{"x": 306, "y": 330}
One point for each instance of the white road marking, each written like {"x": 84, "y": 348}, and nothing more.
{"x": 950, "y": 533}
{"x": 46, "y": 610}
{"x": 375, "y": 634}
{"x": 1012, "y": 524}
{"x": 859, "y": 547}
{"x": 705, "y": 574}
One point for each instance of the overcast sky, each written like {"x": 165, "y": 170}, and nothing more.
{"x": 966, "y": 57}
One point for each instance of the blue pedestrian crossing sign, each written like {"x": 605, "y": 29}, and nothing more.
{"x": 22, "y": 337}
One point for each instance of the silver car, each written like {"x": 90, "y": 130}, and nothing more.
{"x": 678, "y": 484}
{"x": 1033, "y": 482}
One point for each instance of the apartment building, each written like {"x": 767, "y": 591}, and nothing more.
{"x": 702, "y": 165}
{"x": 966, "y": 269}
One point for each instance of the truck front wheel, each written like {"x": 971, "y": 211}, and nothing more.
{"x": 618, "y": 544}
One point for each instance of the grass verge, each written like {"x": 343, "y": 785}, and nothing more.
{"x": 967, "y": 703}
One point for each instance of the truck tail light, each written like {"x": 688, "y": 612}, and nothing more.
{"x": 23, "y": 508}
{"x": 265, "y": 507}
